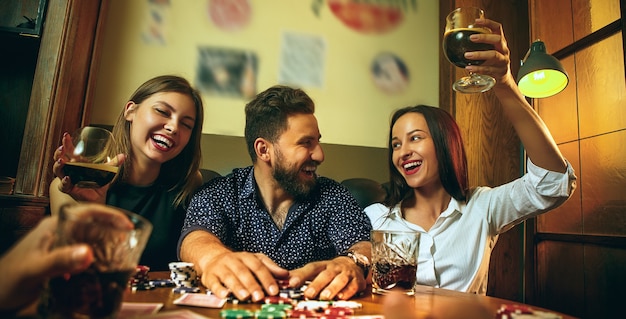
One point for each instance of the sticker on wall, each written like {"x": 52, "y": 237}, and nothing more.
{"x": 379, "y": 16}
{"x": 227, "y": 72}
{"x": 155, "y": 26}
{"x": 390, "y": 73}
{"x": 302, "y": 60}
{"x": 230, "y": 15}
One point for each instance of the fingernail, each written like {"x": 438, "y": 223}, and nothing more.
{"x": 325, "y": 295}
{"x": 243, "y": 293}
{"x": 469, "y": 54}
{"x": 224, "y": 294}
{"x": 60, "y": 148}
{"x": 273, "y": 289}
{"x": 79, "y": 256}
{"x": 474, "y": 37}
{"x": 257, "y": 295}
{"x": 310, "y": 292}
{"x": 294, "y": 282}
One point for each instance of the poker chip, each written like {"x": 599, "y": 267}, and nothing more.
{"x": 278, "y": 300}
{"x": 139, "y": 280}
{"x": 182, "y": 290}
{"x": 333, "y": 311}
{"x": 314, "y": 305}
{"x": 183, "y": 274}
{"x": 162, "y": 283}
{"x": 513, "y": 311}
{"x": 283, "y": 283}
{"x": 303, "y": 314}
{"x": 141, "y": 286}
{"x": 236, "y": 314}
{"x": 347, "y": 304}
{"x": 268, "y": 314}
{"x": 276, "y": 307}
{"x": 292, "y": 293}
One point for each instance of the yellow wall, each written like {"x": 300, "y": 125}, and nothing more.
{"x": 351, "y": 110}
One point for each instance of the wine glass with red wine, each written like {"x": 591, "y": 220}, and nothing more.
{"x": 90, "y": 160}
{"x": 456, "y": 41}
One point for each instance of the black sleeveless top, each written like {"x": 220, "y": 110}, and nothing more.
{"x": 155, "y": 204}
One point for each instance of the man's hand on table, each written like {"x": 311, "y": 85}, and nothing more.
{"x": 337, "y": 278}
{"x": 245, "y": 275}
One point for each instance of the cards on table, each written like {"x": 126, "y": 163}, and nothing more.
{"x": 136, "y": 309}
{"x": 200, "y": 300}
{"x": 175, "y": 314}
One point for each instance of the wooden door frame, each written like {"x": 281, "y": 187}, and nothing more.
{"x": 65, "y": 68}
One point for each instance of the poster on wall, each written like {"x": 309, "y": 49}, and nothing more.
{"x": 302, "y": 59}
{"x": 390, "y": 73}
{"x": 156, "y": 22}
{"x": 230, "y": 15}
{"x": 226, "y": 72}
{"x": 369, "y": 17}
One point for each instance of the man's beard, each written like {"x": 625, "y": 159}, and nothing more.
{"x": 289, "y": 179}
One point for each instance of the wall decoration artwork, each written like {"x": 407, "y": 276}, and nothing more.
{"x": 373, "y": 16}
{"x": 226, "y": 72}
{"x": 230, "y": 15}
{"x": 302, "y": 59}
{"x": 156, "y": 22}
{"x": 390, "y": 73}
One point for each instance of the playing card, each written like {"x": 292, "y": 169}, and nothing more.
{"x": 175, "y": 314}
{"x": 134, "y": 309}
{"x": 368, "y": 317}
{"x": 200, "y": 300}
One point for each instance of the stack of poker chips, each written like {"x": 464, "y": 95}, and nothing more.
{"x": 513, "y": 311}
{"x": 184, "y": 277}
{"x": 140, "y": 280}
{"x": 236, "y": 314}
{"x": 273, "y": 311}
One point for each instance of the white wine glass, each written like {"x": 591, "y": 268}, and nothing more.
{"x": 91, "y": 153}
{"x": 456, "y": 41}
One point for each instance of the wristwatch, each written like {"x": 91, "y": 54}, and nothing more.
{"x": 360, "y": 260}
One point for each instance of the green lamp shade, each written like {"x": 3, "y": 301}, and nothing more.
{"x": 541, "y": 74}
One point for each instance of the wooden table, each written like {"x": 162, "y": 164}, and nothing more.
{"x": 432, "y": 303}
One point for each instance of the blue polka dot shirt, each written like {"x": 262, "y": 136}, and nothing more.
{"x": 320, "y": 228}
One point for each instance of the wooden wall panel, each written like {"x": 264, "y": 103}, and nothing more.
{"x": 560, "y": 275}
{"x": 601, "y": 89}
{"x": 605, "y": 280}
{"x": 592, "y": 15}
{"x": 551, "y": 22}
{"x": 603, "y": 181}
{"x": 567, "y": 218}
{"x": 581, "y": 251}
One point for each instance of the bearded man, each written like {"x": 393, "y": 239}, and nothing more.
{"x": 277, "y": 221}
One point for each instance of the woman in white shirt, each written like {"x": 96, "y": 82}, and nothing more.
{"x": 429, "y": 186}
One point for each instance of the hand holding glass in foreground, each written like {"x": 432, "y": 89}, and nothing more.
{"x": 28, "y": 264}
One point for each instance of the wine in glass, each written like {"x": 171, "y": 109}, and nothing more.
{"x": 456, "y": 41}
{"x": 89, "y": 167}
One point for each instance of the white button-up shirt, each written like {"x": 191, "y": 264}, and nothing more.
{"x": 454, "y": 253}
